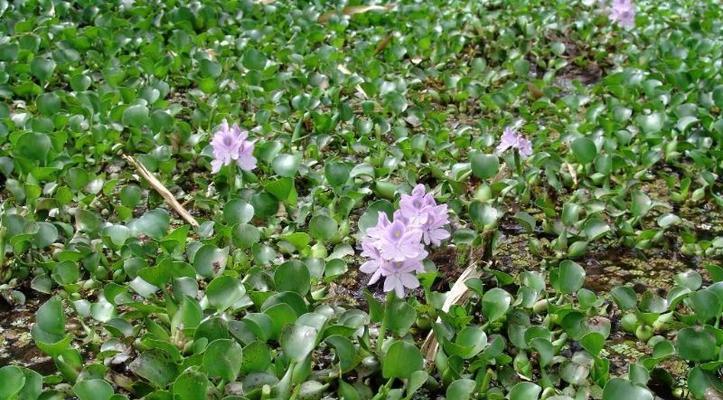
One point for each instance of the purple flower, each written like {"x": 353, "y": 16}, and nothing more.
{"x": 376, "y": 233}
{"x": 397, "y": 274}
{"x": 432, "y": 231}
{"x": 400, "y": 274}
{"x": 395, "y": 249}
{"x": 512, "y": 139}
{"x": 414, "y": 208}
{"x": 375, "y": 263}
{"x": 421, "y": 210}
{"x": 400, "y": 242}
{"x": 623, "y": 12}
{"x": 230, "y": 144}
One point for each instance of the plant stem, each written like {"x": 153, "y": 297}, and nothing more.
{"x": 518, "y": 163}
{"x": 383, "y": 328}
{"x": 383, "y": 390}
{"x": 3, "y": 231}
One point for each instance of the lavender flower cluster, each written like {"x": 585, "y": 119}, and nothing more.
{"x": 623, "y": 13}
{"x": 395, "y": 249}
{"x": 511, "y": 139}
{"x": 231, "y": 144}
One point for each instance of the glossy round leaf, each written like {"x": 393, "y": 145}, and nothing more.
{"x": 618, "y": 388}
{"x": 322, "y": 227}
{"x": 401, "y": 360}
{"x": 495, "y": 304}
{"x": 298, "y": 341}
{"x": 93, "y": 389}
{"x": 224, "y": 291}
{"x": 525, "y": 391}
{"x": 461, "y": 389}
{"x": 571, "y": 277}
{"x": 584, "y": 150}
{"x": 190, "y": 385}
{"x": 695, "y": 344}
{"x": 12, "y": 381}
{"x": 223, "y": 358}
{"x": 293, "y": 276}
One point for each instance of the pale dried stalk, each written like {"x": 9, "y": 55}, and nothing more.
{"x": 457, "y": 295}
{"x": 158, "y": 186}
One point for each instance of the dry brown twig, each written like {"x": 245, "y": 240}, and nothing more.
{"x": 158, "y": 186}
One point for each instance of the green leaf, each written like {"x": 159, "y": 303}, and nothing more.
{"x": 298, "y": 341}
{"x": 136, "y": 115}
{"x": 210, "y": 261}
{"x": 153, "y": 223}
{"x": 12, "y": 381}
{"x": 244, "y": 235}
{"x": 34, "y": 146}
{"x": 371, "y": 215}
{"x": 49, "y": 329}
{"x": 293, "y": 276}
{"x": 641, "y": 204}
{"x": 651, "y": 123}
{"x": 461, "y": 389}
{"x": 484, "y": 166}
{"x": 544, "y": 347}
{"x": 704, "y": 383}
{"x": 624, "y": 297}
{"x": 93, "y": 389}
{"x": 337, "y": 173}
{"x": 33, "y": 385}
{"x": 595, "y": 228}
{"x": 570, "y": 277}
{"x": 483, "y": 215}
{"x": 223, "y": 359}
{"x": 696, "y": 344}
{"x": 237, "y": 211}
{"x": 525, "y": 391}
{"x": 401, "y": 360}
{"x": 130, "y": 195}
{"x": 345, "y": 352}
{"x": 618, "y": 388}
{"x": 689, "y": 279}
{"x": 416, "y": 381}
{"x": 322, "y": 227}
{"x": 48, "y": 103}
{"x": 286, "y": 164}
{"x": 400, "y": 316}
{"x": 706, "y": 304}
{"x": 265, "y": 204}
{"x": 334, "y": 268}
{"x": 584, "y": 150}
{"x": 593, "y": 342}
{"x": 668, "y": 220}
{"x": 155, "y": 366}
{"x": 470, "y": 341}
{"x": 254, "y": 59}
{"x": 190, "y": 385}
{"x": 42, "y": 68}
{"x": 495, "y": 304}
{"x": 256, "y": 357}
{"x": 224, "y": 291}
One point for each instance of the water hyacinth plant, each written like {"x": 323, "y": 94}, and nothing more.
{"x": 395, "y": 249}
{"x": 231, "y": 144}
{"x": 566, "y": 242}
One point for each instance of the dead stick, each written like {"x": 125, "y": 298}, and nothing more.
{"x": 158, "y": 186}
